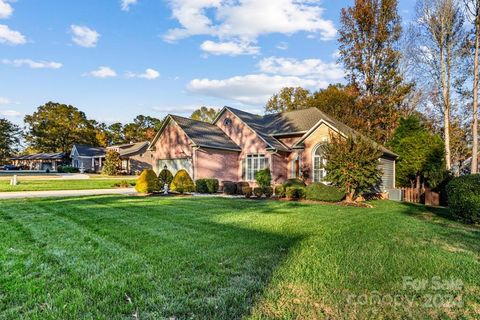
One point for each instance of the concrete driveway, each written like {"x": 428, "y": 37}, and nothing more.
{"x": 65, "y": 193}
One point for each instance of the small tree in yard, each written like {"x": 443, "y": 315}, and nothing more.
{"x": 112, "y": 164}
{"x": 352, "y": 164}
{"x": 264, "y": 178}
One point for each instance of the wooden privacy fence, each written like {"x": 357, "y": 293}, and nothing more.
{"x": 425, "y": 196}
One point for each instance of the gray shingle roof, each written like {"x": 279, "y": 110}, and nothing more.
{"x": 130, "y": 149}
{"x": 41, "y": 156}
{"x": 205, "y": 134}
{"x": 89, "y": 151}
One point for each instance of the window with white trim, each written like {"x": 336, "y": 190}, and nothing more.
{"x": 319, "y": 172}
{"x": 253, "y": 164}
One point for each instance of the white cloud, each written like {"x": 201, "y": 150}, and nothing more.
{"x": 312, "y": 68}
{"x": 33, "y": 64}
{"x": 125, "y": 4}
{"x": 232, "y": 48}
{"x": 84, "y": 36}
{"x": 282, "y": 46}
{"x": 246, "y": 20}
{"x": 10, "y": 36}
{"x": 254, "y": 89}
{"x": 149, "y": 74}
{"x": 4, "y": 100}
{"x": 6, "y": 9}
{"x": 103, "y": 72}
{"x": 10, "y": 113}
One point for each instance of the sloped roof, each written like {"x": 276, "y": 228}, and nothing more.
{"x": 205, "y": 134}
{"x": 41, "y": 156}
{"x": 89, "y": 151}
{"x": 130, "y": 149}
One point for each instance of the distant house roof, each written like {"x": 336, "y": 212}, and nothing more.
{"x": 84, "y": 150}
{"x": 41, "y": 156}
{"x": 270, "y": 126}
{"x": 130, "y": 149}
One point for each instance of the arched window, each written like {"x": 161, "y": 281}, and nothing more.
{"x": 319, "y": 161}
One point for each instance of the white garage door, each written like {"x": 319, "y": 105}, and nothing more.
{"x": 176, "y": 164}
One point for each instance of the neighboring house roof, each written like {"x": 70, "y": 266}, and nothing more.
{"x": 294, "y": 122}
{"x": 41, "y": 156}
{"x": 131, "y": 149}
{"x": 202, "y": 134}
{"x": 84, "y": 150}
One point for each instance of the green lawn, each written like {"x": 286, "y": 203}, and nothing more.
{"x": 60, "y": 184}
{"x": 114, "y": 257}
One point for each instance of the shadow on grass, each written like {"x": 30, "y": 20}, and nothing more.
{"x": 171, "y": 257}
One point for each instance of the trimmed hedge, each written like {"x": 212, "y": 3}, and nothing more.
{"x": 206, "y": 185}
{"x": 67, "y": 169}
{"x": 294, "y": 183}
{"x": 280, "y": 191}
{"x": 247, "y": 191}
{"x": 147, "y": 182}
{"x": 240, "y": 186}
{"x": 182, "y": 182}
{"x": 165, "y": 177}
{"x": 321, "y": 192}
{"x": 258, "y": 192}
{"x": 464, "y": 198}
{"x": 267, "y": 191}
{"x": 229, "y": 188}
{"x": 295, "y": 193}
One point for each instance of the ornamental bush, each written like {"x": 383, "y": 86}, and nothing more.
{"x": 258, "y": 192}
{"x": 229, "y": 187}
{"x": 240, "y": 186}
{"x": 182, "y": 182}
{"x": 247, "y": 191}
{"x": 165, "y": 177}
{"x": 263, "y": 178}
{"x": 201, "y": 186}
{"x": 295, "y": 193}
{"x": 464, "y": 198}
{"x": 67, "y": 169}
{"x": 322, "y": 192}
{"x": 294, "y": 183}
{"x": 212, "y": 185}
{"x": 112, "y": 163}
{"x": 267, "y": 191}
{"x": 147, "y": 182}
{"x": 280, "y": 191}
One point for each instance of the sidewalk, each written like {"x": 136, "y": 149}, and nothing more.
{"x": 65, "y": 193}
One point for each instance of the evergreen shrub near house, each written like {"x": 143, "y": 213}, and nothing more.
{"x": 247, "y": 191}
{"x": 229, "y": 188}
{"x": 295, "y": 193}
{"x": 321, "y": 192}
{"x": 464, "y": 198}
{"x": 280, "y": 191}
{"x": 147, "y": 182}
{"x": 67, "y": 169}
{"x": 258, "y": 192}
{"x": 206, "y": 185}
{"x": 294, "y": 183}
{"x": 112, "y": 164}
{"x": 240, "y": 186}
{"x": 165, "y": 177}
{"x": 212, "y": 185}
{"x": 182, "y": 182}
{"x": 267, "y": 191}
{"x": 263, "y": 178}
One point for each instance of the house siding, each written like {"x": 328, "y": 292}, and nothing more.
{"x": 218, "y": 164}
{"x": 387, "y": 166}
{"x": 141, "y": 161}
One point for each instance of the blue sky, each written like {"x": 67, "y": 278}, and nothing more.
{"x": 115, "y": 59}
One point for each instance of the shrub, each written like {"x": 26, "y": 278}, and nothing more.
{"x": 263, "y": 178}
{"x": 267, "y": 191}
{"x": 122, "y": 184}
{"x": 112, "y": 163}
{"x": 212, "y": 185}
{"x": 165, "y": 177}
{"x": 280, "y": 191}
{"x": 247, "y": 191}
{"x": 182, "y": 182}
{"x": 147, "y": 182}
{"x": 67, "y": 169}
{"x": 321, "y": 192}
{"x": 295, "y": 193}
{"x": 294, "y": 183}
{"x": 464, "y": 198}
{"x": 229, "y": 187}
{"x": 258, "y": 192}
{"x": 201, "y": 186}
{"x": 240, "y": 186}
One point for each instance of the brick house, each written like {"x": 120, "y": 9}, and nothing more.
{"x": 238, "y": 144}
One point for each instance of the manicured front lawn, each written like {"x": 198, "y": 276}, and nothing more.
{"x": 116, "y": 257}
{"x": 59, "y": 184}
